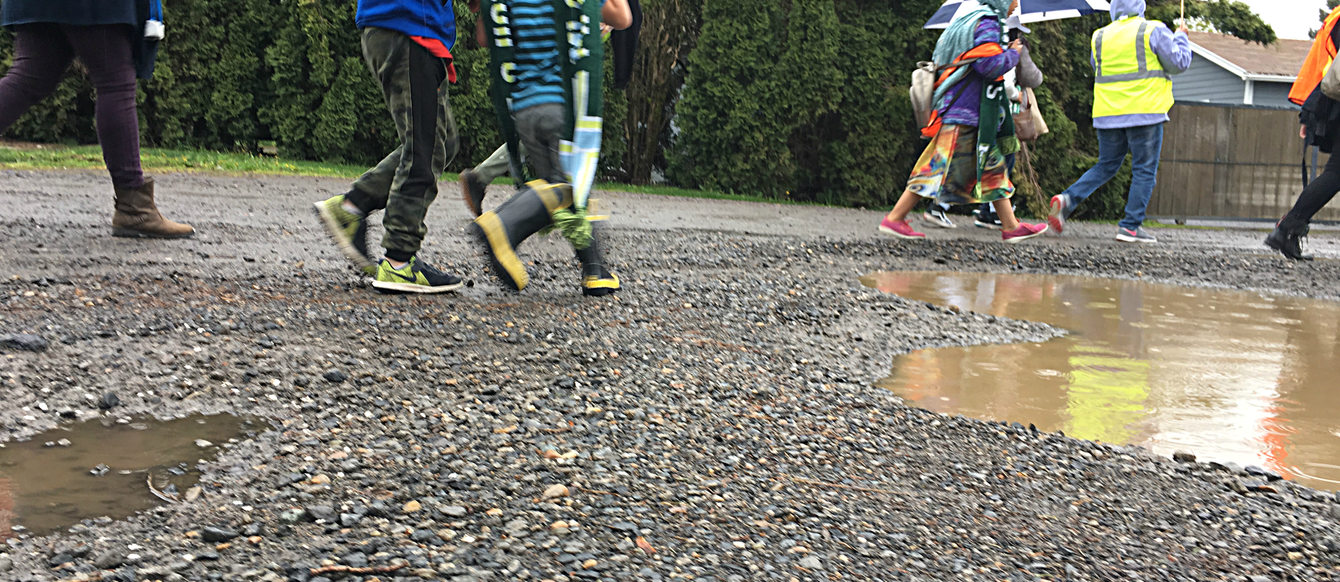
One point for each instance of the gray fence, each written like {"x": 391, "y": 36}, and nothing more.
{"x": 1230, "y": 162}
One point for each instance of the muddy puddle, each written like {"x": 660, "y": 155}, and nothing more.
{"x": 1229, "y": 376}
{"x": 104, "y": 468}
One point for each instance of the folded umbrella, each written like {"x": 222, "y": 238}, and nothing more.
{"x": 1029, "y": 10}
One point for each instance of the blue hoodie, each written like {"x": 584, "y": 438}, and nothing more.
{"x": 1172, "y": 49}
{"x": 427, "y": 18}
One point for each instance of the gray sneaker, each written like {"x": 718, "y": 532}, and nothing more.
{"x": 1138, "y": 235}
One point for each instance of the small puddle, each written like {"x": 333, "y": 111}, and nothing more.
{"x": 1227, "y": 375}
{"x": 48, "y": 483}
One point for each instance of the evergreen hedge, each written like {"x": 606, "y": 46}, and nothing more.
{"x": 233, "y": 74}
{"x": 789, "y": 99}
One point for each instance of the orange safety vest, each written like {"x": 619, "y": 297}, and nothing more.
{"x": 1318, "y": 60}
{"x": 982, "y": 51}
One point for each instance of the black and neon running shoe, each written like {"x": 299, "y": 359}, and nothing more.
{"x": 348, "y": 230}
{"x": 415, "y": 277}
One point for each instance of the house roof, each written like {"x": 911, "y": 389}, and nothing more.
{"x": 1279, "y": 61}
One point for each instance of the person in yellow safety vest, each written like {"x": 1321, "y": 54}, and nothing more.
{"x": 1132, "y": 93}
{"x": 1320, "y": 120}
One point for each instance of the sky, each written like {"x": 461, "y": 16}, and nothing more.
{"x": 1289, "y": 18}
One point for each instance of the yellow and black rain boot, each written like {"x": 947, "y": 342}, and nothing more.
{"x": 504, "y": 228}
{"x": 597, "y": 279}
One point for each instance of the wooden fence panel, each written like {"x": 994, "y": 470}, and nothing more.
{"x": 1230, "y": 162}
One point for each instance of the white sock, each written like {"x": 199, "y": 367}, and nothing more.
{"x": 351, "y": 209}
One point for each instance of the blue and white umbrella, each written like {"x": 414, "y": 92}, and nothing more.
{"x": 1029, "y": 10}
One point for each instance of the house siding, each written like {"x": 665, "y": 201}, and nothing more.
{"x": 1274, "y": 95}
{"x": 1206, "y": 82}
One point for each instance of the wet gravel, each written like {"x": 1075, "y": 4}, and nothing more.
{"x": 714, "y": 421}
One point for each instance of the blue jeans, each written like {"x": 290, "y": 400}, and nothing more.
{"x": 1144, "y": 144}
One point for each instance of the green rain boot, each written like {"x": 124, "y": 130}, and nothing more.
{"x": 502, "y": 229}
{"x": 597, "y": 279}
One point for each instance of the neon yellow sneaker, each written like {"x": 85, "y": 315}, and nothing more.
{"x": 348, "y": 230}
{"x": 415, "y": 277}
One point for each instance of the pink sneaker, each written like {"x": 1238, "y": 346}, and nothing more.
{"x": 899, "y": 228}
{"x": 1024, "y": 232}
{"x": 1057, "y": 213}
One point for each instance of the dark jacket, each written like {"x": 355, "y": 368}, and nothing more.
{"x": 1321, "y": 114}
{"x": 72, "y": 12}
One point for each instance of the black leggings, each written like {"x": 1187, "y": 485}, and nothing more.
{"x": 1317, "y": 193}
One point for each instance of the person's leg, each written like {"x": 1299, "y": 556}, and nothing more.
{"x": 497, "y": 164}
{"x": 1005, "y": 210}
{"x": 370, "y": 190}
{"x": 1145, "y": 144}
{"x": 541, "y": 131}
{"x": 410, "y": 79}
{"x": 930, "y": 178}
{"x": 1287, "y": 238}
{"x": 597, "y": 278}
{"x": 41, "y": 56}
{"x": 345, "y": 216}
{"x": 895, "y": 222}
{"x": 107, "y": 54}
{"x": 475, "y": 181}
{"x": 988, "y": 210}
{"x": 1112, "y": 147}
{"x": 1111, "y": 153}
{"x": 1317, "y": 194}
{"x": 413, "y": 85}
{"x": 906, "y": 202}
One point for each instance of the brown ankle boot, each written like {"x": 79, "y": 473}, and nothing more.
{"x": 136, "y": 215}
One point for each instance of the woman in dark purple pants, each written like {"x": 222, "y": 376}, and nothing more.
{"x": 105, "y": 35}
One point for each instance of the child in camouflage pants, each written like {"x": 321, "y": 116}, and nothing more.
{"x": 407, "y": 49}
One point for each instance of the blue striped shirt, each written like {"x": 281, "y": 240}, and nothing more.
{"x": 539, "y": 73}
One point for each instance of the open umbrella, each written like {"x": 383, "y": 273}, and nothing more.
{"x": 1029, "y": 10}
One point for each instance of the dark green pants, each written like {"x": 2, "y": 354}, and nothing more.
{"x": 414, "y": 84}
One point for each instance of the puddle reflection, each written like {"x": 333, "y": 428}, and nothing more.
{"x": 48, "y": 488}
{"x": 1227, "y": 375}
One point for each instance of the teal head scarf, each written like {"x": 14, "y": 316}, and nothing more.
{"x": 960, "y": 37}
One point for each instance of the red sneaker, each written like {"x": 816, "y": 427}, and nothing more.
{"x": 1024, "y": 232}
{"x": 899, "y": 228}
{"x": 1057, "y": 213}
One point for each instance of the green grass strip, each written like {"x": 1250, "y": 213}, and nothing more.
{"x": 162, "y": 160}
{"x": 56, "y": 157}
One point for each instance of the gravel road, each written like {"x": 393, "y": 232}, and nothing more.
{"x": 715, "y": 420}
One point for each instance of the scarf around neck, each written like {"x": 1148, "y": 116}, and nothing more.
{"x": 961, "y": 36}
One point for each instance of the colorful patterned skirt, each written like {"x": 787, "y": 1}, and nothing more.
{"x": 947, "y": 169}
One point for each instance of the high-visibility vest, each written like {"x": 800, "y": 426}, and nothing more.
{"x": 1318, "y": 60}
{"x": 1128, "y": 77}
